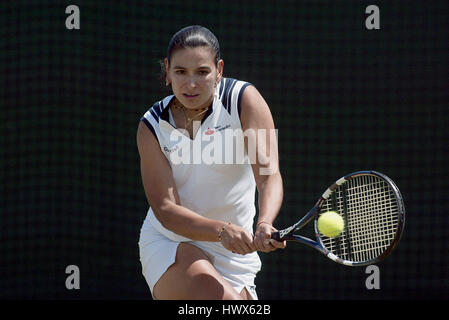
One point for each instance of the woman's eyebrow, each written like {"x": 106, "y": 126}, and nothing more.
{"x": 200, "y": 67}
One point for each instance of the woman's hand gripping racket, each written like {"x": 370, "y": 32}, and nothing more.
{"x": 373, "y": 212}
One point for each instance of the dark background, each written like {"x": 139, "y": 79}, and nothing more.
{"x": 344, "y": 99}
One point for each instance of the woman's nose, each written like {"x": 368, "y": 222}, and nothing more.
{"x": 192, "y": 82}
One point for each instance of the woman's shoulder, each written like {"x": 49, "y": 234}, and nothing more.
{"x": 230, "y": 86}
{"x": 227, "y": 82}
{"x": 160, "y": 105}
{"x": 156, "y": 110}
{"x": 153, "y": 114}
{"x": 230, "y": 94}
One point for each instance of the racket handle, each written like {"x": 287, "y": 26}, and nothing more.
{"x": 276, "y": 236}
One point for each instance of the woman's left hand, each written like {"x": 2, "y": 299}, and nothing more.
{"x": 263, "y": 241}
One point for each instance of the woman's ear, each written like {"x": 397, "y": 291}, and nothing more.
{"x": 220, "y": 66}
{"x": 167, "y": 76}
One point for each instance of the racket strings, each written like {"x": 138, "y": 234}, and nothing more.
{"x": 371, "y": 222}
{"x": 371, "y": 218}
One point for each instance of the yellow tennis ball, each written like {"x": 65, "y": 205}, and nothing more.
{"x": 330, "y": 224}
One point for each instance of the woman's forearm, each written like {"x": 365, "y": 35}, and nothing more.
{"x": 271, "y": 194}
{"x": 188, "y": 223}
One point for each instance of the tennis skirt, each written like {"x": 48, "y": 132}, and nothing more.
{"x": 158, "y": 253}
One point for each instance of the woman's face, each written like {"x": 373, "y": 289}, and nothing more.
{"x": 193, "y": 76}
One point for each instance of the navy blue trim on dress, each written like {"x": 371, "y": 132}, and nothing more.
{"x": 208, "y": 112}
{"x": 223, "y": 81}
{"x": 239, "y": 99}
{"x": 226, "y": 99}
{"x": 156, "y": 110}
{"x": 165, "y": 115}
{"x": 148, "y": 124}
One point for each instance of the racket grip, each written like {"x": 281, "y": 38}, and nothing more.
{"x": 276, "y": 236}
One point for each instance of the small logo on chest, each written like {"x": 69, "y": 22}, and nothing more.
{"x": 217, "y": 128}
{"x": 175, "y": 148}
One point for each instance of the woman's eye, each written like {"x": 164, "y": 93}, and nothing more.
{"x": 179, "y": 71}
{"x": 203, "y": 72}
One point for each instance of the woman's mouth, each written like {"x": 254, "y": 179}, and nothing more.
{"x": 190, "y": 96}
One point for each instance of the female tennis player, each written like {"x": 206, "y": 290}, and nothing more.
{"x": 196, "y": 241}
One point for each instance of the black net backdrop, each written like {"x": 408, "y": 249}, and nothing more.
{"x": 343, "y": 98}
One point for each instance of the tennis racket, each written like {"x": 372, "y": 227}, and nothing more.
{"x": 374, "y": 215}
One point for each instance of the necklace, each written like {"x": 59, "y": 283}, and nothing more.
{"x": 188, "y": 120}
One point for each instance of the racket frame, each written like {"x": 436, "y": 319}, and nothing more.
{"x": 288, "y": 233}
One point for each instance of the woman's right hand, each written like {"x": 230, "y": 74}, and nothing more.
{"x": 237, "y": 239}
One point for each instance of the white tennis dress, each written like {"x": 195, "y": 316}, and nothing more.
{"x": 214, "y": 179}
